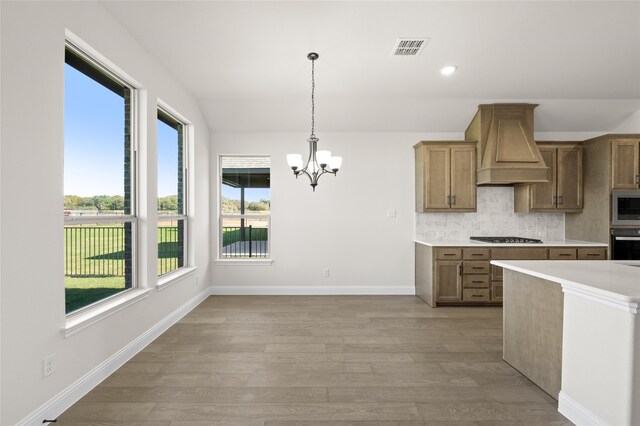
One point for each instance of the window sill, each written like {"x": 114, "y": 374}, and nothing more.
{"x": 248, "y": 262}
{"x": 104, "y": 310}
{"x": 171, "y": 278}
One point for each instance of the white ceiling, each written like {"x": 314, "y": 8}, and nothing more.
{"x": 246, "y": 61}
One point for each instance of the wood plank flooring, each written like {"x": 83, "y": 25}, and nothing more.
{"x": 321, "y": 360}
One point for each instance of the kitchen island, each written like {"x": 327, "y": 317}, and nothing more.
{"x": 572, "y": 327}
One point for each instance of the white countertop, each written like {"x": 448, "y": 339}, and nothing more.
{"x": 615, "y": 282}
{"x": 545, "y": 243}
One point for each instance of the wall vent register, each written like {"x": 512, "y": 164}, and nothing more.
{"x": 506, "y": 240}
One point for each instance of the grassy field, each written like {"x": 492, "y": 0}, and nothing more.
{"x": 95, "y": 261}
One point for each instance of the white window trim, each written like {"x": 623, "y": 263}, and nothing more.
{"x": 103, "y": 308}
{"x": 219, "y": 260}
{"x": 167, "y": 279}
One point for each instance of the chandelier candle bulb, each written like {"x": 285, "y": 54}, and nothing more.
{"x": 294, "y": 161}
{"x": 323, "y": 158}
{"x": 335, "y": 163}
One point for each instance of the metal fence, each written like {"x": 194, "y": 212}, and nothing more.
{"x": 94, "y": 251}
{"x": 253, "y": 242}
{"x": 99, "y": 251}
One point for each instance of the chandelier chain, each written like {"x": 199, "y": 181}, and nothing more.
{"x": 313, "y": 103}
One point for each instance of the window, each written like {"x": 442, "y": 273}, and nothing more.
{"x": 99, "y": 173}
{"x": 245, "y": 207}
{"x": 172, "y": 191}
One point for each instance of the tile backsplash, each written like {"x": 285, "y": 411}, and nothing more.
{"x": 495, "y": 217}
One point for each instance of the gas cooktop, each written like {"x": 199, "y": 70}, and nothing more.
{"x": 505, "y": 240}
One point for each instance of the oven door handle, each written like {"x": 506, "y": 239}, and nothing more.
{"x": 627, "y": 238}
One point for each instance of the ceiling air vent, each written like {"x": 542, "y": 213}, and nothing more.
{"x": 409, "y": 46}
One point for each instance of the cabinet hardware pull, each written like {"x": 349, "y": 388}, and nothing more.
{"x": 449, "y": 254}
{"x": 476, "y": 282}
{"x": 561, "y": 199}
{"x": 477, "y": 254}
{"x": 638, "y": 179}
{"x": 555, "y": 200}
{"x": 593, "y": 254}
{"x": 460, "y": 269}
{"x": 449, "y": 200}
{"x": 476, "y": 295}
{"x": 565, "y": 254}
{"x": 453, "y": 199}
{"x": 477, "y": 267}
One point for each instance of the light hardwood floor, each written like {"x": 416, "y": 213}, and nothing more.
{"x": 321, "y": 360}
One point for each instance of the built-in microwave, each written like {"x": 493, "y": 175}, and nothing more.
{"x": 625, "y": 207}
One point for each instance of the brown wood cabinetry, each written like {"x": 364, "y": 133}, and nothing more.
{"x": 563, "y": 192}
{"x": 447, "y": 274}
{"x": 625, "y": 163}
{"x": 445, "y": 176}
{"x": 465, "y": 276}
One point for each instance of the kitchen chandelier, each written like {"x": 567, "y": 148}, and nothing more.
{"x": 319, "y": 162}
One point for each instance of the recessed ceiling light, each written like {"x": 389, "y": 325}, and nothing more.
{"x": 448, "y": 70}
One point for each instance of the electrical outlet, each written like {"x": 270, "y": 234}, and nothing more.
{"x": 325, "y": 272}
{"x": 49, "y": 365}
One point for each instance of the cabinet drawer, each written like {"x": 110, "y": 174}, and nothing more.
{"x": 476, "y": 295}
{"x": 475, "y": 281}
{"x": 475, "y": 254}
{"x": 592, "y": 254}
{"x": 448, "y": 253}
{"x": 496, "y": 291}
{"x": 562, "y": 254}
{"x": 471, "y": 267}
{"x": 517, "y": 253}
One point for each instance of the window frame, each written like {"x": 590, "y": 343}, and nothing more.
{"x": 171, "y": 115}
{"x": 108, "y": 76}
{"x": 240, "y": 261}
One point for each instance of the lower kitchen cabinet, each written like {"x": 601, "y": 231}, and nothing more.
{"x": 447, "y": 273}
{"x": 464, "y": 275}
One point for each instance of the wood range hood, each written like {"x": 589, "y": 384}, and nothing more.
{"x": 507, "y": 151}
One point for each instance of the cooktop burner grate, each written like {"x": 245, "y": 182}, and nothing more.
{"x": 505, "y": 240}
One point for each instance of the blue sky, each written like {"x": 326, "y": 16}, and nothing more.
{"x": 93, "y": 141}
{"x": 94, "y": 148}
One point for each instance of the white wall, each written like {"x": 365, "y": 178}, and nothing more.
{"x": 31, "y": 267}
{"x": 343, "y": 225}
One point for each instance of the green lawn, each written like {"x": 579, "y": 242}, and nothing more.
{"x": 95, "y": 265}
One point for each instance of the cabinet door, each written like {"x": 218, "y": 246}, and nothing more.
{"x": 570, "y": 178}
{"x": 625, "y": 164}
{"x": 437, "y": 172}
{"x": 543, "y": 194}
{"x": 463, "y": 178}
{"x": 448, "y": 282}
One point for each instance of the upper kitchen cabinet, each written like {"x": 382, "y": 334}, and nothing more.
{"x": 563, "y": 192}
{"x": 625, "y": 163}
{"x": 445, "y": 176}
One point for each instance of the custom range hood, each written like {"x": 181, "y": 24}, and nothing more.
{"x": 507, "y": 152}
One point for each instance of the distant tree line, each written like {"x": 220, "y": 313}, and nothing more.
{"x": 233, "y": 206}
{"x": 113, "y": 202}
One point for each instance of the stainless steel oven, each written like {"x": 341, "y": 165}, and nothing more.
{"x": 625, "y": 207}
{"x": 625, "y": 243}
